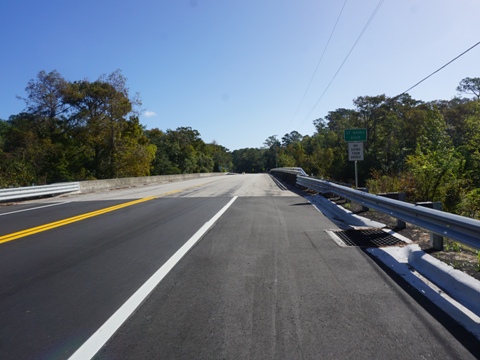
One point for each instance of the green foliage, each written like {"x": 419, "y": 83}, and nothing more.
{"x": 286, "y": 160}
{"x": 429, "y": 151}
{"x": 273, "y": 147}
{"x": 74, "y": 131}
{"x": 434, "y": 172}
{"x": 221, "y": 157}
{"x": 470, "y": 86}
{"x": 249, "y": 160}
{"x": 470, "y": 204}
{"x": 183, "y": 151}
{"x": 452, "y": 246}
{"x": 291, "y": 138}
{"x": 90, "y": 130}
{"x": 401, "y": 182}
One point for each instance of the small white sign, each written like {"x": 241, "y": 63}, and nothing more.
{"x": 355, "y": 151}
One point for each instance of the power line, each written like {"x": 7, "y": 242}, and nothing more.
{"x": 353, "y": 47}
{"x": 319, "y": 61}
{"x": 448, "y": 63}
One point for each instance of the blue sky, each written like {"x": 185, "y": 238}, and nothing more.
{"x": 237, "y": 70}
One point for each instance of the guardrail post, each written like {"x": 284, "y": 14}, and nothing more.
{"x": 436, "y": 241}
{"x": 400, "y": 196}
{"x": 400, "y": 223}
{"x": 364, "y": 189}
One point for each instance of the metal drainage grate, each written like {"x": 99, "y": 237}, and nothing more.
{"x": 367, "y": 238}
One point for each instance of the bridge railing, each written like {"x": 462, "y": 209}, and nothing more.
{"x": 35, "y": 191}
{"x": 290, "y": 170}
{"x": 288, "y": 174}
{"x": 462, "y": 229}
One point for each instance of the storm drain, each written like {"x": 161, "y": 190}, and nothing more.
{"x": 366, "y": 238}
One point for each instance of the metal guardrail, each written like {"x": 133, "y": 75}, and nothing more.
{"x": 290, "y": 170}
{"x": 34, "y": 191}
{"x": 459, "y": 228}
{"x": 288, "y": 174}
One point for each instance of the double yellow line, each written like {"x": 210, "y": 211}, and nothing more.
{"x": 56, "y": 224}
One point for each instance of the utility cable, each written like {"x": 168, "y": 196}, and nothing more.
{"x": 433, "y": 73}
{"x": 353, "y": 47}
{"x": 319, "y": 61}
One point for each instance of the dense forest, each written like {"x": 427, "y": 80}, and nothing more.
{"x": 85, "y": 130}
{"x": 429, "y": 150}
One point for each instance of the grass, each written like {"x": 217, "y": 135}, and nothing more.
{"x": 452, "y": 246}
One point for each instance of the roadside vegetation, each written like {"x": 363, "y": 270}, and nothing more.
{"x": 429, "y": 150}
{"x": 80, "y": 130}
{"x": 83, "y": 130}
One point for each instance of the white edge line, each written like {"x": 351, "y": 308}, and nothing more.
{"x": 335, "y": 238}
{"x": 106, "y": 331}
{"x": 35, "y": 208}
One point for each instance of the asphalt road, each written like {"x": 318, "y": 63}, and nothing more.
{"x": 265, "y": 282}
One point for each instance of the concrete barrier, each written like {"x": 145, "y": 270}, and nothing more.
{"x": 99, "y": 185}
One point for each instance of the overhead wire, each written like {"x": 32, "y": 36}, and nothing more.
{"x": 372, "y": 16}
{"x": 319, "y": 61}
{"x": 440, "y": 68}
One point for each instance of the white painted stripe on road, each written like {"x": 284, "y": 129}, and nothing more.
{"x": 106, "y": 331}
{"x": 35, "y": 208}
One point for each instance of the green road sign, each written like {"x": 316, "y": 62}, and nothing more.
{"x": 352, "y": 135}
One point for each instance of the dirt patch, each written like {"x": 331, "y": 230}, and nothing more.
{"x": 454, "y": 254}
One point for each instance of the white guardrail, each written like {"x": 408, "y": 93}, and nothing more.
{"x": 8, "y": 194}
{"x": 290, "y": 170}
{"x": 34, "y": 191}
{"x": 462, "y": 229}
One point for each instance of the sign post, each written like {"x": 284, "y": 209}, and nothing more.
{"x": 355, "y": 139}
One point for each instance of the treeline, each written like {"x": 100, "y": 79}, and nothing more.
{"x": 430, "y": 150}
{"x": 81, "y": 130}
{"x": 84, "y": 130}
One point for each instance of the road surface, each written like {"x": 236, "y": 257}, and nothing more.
{"x": 265, "y": 281}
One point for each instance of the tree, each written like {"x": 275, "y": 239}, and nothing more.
{"x": 38, "y": 157}
{"x": 134, "y": 154}
{"x": 272, "y": 141}
{"x": 249, "y": 160}
{"x": 271, "y": 155}
{"x": 183, "y": 151}
{"x": 320, "y": 125}
{"x": 437, "y": 175}
{"x": 330, "y": 143}
{"x": 4, "y": 127}
{"x": 292, "y": 137}
{"x": 76, "y": 130}
{"x": 45, "y": 95}
{"x": 107, "y": 126}
{"x": 221, "y": 156}
{"x": 470, "y": 86}
{"x": 185, "y": 148}
{"x": 45, "y": 102}
{"x": 161, "y": 164}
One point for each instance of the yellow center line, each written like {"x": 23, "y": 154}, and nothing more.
{"x": 56, "y": 224}
{"x": 171, "y": 192}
